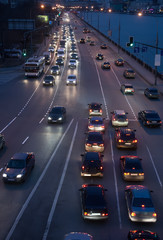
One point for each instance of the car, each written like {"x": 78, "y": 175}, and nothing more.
{"x": 19, "y": 167}
{"x": 92, "y": 43}
{"x": 51, "y": 49}
{"x": 72, "y": 63}
{"x": 74, "y": 56}
{"x": 131, "y": 168}
{"x": 104, "y": 46}
{"x": 71, "y": 80}
{"x": 55, "y": 70}
{"x": 2, "y": 141}
{"x": 57, "y": 114}
{"x": 88, "y": 38}
{"x": 78, "y": 236}
{"x": 94, "y": 142}
{"x": 119, "y": 62}
{"x": 95, "y": 109}
{"x": 93, "y": 202}
{"x": 49, "y": 80}
{"x": 129, "y": 73}
{"x": 150, "y": 118}
{"x": 73, "y": 50}
{"x": 105, "y": 65}
{"x": 86, "y": 30}
{"x": 99, "y": 56}
{"x": 142, "y": 235}
{"x": 96, "y": 124}
{"x": 82, "y": 40}
{"x": 92, "y": 164}
{"x": 119, "y": 118}
{"x": 127, "y": 88}
{"x": 125, "y": 138}
{"x": 139, "y": 204}
{"x": 73, "y": 45}
{"x": 59, "y": 61}
{"x": 151, "y": 93}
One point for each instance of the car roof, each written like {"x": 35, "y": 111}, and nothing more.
{"x": 57, "y": 107}
{"x": 72, "y": 75}
{"x": 95, "y": 133}
{"x": 78, "y": 236}
{"x": 139, "y": 191}
{"x": 92, "y": 155}
{"x": 150, "y": 111}
{"x": 20, "y": 156}
{"x": 126, "y": 130}
{"x": 95, "y": 103}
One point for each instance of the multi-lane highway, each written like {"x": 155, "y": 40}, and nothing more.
{"x": 48, "y": 205}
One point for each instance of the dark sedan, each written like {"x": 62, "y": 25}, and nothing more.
{"x": 151, "y": 93}
{"x": 99, "y": 56}
{"x": 49, "y": 80}
{"x": 57, "y": 115}
{"x": 104, "y": 46}
{"x": 92, "y": 164}
{"x": 105, "y": 65}
{"x": 19, "y": 167}
{"x": 93, "y": 201}
{"x": 55, "y": 70}
{"x": 119, "y": 62}
{"x": 94, "y": 142}
{"x": 95, "y": 109}
{"x": 150, "y": 118}
{"x": 59, "y": 61}
{"x": 125, "y": 138}
{"x": 131, "y": 168}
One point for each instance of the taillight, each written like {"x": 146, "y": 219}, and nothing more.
{"x": 103, "y": 126}
{"x": 88, "y": 144}
{"x": 90, "y": 110}
{"x": 101, "y": 145}
{"x": 148, "y": 121}
{"x": 126, "y": 174}
{"x": 160, "y": 121}
{"x": 133, "y": 214}
{"x": 100, "y": 110}
{"x": 143, "y": 206}
{"x": 85, "y": 213}
{"x": 141, "y": 174}
{"x": 90, "y": 126}
{"x": 154, "y": 214}
{"x": 135, "y": 141}
{"x": 104, "y": 214}
{"x": 120, "y": 140}
{"x": 101, "y": 168}
{"x": 83, "y": 167}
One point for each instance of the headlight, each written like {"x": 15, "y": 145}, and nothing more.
{"x": 74, "y": 81}
{"x": 51, "y": 82}
{"x": 49, "y": 118}
{"x": 4, "y": 175}
{"x": 60, "y": 118}
{"x": 43, "y": 81}
{"x": 19, "y": 175}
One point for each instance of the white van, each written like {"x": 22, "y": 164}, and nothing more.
{"x": 47, "y": 56}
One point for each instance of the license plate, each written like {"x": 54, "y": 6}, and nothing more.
{"x": 87, "y": 175}
{"x": 96, "y": 214}
{"x": 127, "y": 143}
{"x": 11, "y": 180}
{"x": 134, "y": 174}
{"x": 154, "y": 122}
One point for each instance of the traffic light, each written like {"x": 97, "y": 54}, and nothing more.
{"x": 24, "y": 52}
{"x": 131, "y": 43}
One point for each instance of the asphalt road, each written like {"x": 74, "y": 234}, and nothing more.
{"x": 47, "y": 205}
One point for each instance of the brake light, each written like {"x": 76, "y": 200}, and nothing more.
{"x": 88, "y": 144}
{"x": 148, "y": 121}
{"x": 160, "y": 121}
{"x": 85, "y": 213}
{"x": 99, "y": 185}
{"x": 101, "y": 145}
{"x": 133, "y": 214}
{"x": 126, "y": 174}
{"x": 101, "y": 168}
{"x": 141, "y": 174}
{"x": 135, "y": 141}
{"x": 90, "y": 126}
{"x": 90, "y": 110}
{"x": 100, "y": 110}
{"x": 103, "y": 126}
{"x": 154, "y": 214}
{"x": 142, "y": 206}
{"x": 104, "y": 214}
{"x": 83, "y": 167}
{"x": 114, "y": 119}
{"x": 120, "y": 140}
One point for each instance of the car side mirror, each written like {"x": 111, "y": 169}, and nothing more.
{"x": 82, "y": 155}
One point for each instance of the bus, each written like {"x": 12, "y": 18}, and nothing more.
{"x": 34, "y": 66}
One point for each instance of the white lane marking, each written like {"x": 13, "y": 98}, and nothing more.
{"x": 124, "y": 95}
{"x": 41, "y": 120}
{"x": 116, "y": 185}
{"x": 8, "y": 124}
{"x": 59, "y": 187}
{"x": 1, "y": 169}
{"x": 150, "y": 155}
{"x": 36, "y": 185}
{"x": 25, "y": 140}
{"x": 106, "y": 109}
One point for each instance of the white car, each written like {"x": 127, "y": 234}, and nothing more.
{"x": 119, "y": 118}
{"x": 72, "y": 63}
{"x": 71, "y": 80}
{"x": 51, "y": 49}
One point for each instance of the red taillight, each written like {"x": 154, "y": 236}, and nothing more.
{"x": 90, "y": 110}
{"x": 135, "y": 141}
{"x": 101, "y": 168}
{"x": 160, "y": 121}
{"x": 148, "y": 121}
{"x": 88, "y": 144}
{"x": 85, "y": 213}
{"x": 103, "y": 126}
{"x": 141, "y": 174}
{"x": 90, "y": 126}
{"x": 100, "y": 110}
{"x": 101, "y": 145}
{"x": 126, "y": 174}
{"x": 83, "y": 167}
{"x": 133, "y": 214}
{"x": 120, "y": 140}
{"x": 143, "y": 206}
{"x": 154, "y": 214}
{"x": 104, "y": 214}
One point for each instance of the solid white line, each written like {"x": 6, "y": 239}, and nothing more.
{"x": 36, "y": 185}
{"x": 124, "y": 95}
{"x": 154, "y": 166}
{"x": 1, "y": 169}
{"x": 25, "y": 140}
{"x": 8, "y": 124}
{"x": 116, "y": 185}
{"x": 41, "y": 120}
{"x": 59, "y": 187}
{"x": 106, "y": 109}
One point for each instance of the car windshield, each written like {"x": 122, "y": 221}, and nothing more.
{"x": 56, "y": 110}
{"x": 71, "y": 77}
{"x": 95, "y": 107}
{"x": 55, "y": 68}
{"x": 133, "y": 164}
{"x": 95, "y": 138}
{"x": 121, "y": 117}
{"x": 128, "y": 86}
{"x": 130, "y": 71}
{"x": 140, "y": 202}
{"x": 153, "y": 90}
{"x": 152, "y": 115}
{"x": 96, "y": 121}
{"x": 14, "y": 163}
{"x": 48, "y": 78}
